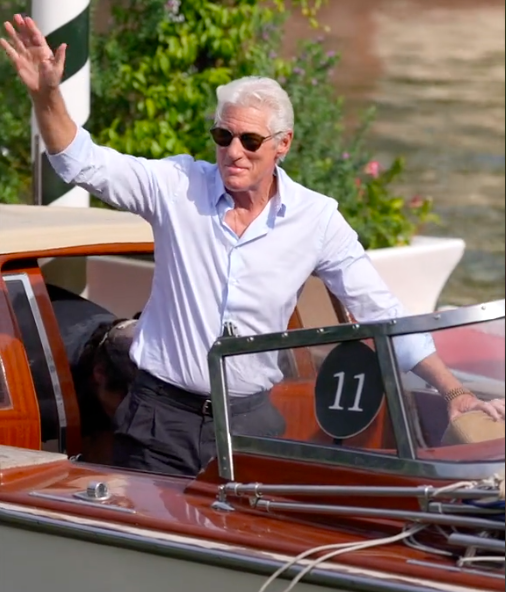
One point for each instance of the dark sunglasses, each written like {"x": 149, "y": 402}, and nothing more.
{"x": 250, "y": 141}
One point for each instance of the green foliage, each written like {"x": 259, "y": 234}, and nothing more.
{"x": 380, "y": 217}
{"x": 155, "y": 73}
{"x": 331, "y": 161}
{"x": 15, "y": 169}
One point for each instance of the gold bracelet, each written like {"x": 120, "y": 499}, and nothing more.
{"x": 456, "y": 393}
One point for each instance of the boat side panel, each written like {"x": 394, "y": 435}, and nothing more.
{"x": 200, "y": 553}
{"x": 60, "y": 564}
{"x": 20, "y": 423}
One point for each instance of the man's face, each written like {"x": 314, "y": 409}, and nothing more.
{"x": 243, "y": 170}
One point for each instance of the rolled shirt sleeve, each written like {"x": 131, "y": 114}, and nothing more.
{"x": 347, "y": 271}
{"x": 123, "y": 181}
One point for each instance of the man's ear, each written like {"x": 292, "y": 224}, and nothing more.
{"x": 285, "y": 144}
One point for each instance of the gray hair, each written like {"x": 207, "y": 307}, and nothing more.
{"x": 258, "y": 92}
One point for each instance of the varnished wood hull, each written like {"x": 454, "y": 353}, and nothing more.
{"x": 48, "y": 551}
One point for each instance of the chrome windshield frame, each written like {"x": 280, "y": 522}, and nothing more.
{"x": 382, "y": 333}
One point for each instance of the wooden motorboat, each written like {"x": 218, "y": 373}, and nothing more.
{"x": 370, "y": 489}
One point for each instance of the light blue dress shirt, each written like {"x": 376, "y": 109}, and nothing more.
{"x": 205, "y": 275}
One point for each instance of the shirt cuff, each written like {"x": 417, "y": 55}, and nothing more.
{"x": 413, "y": 349}
{"x": 69, "y": 163}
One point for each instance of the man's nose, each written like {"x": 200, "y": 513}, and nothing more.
{"x": 235, "y": 150}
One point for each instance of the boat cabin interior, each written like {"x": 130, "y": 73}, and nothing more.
{"x": 340, "y": 391}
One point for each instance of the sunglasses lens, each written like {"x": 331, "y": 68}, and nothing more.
{"x": 252, "y": 142}
{"x": 221, "y": 136}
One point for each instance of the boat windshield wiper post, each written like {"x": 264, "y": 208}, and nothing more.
{"x": 401, "y": 425}
{"x": 221, "y": 411}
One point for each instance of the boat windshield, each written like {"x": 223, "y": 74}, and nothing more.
{"x": 345, "y": 395}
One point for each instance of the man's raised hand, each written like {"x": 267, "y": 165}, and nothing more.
{"x": 39, "y": 68}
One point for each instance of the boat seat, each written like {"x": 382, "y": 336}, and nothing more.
{"x": 473, "y": 427}
{"x": 295, "y": 401}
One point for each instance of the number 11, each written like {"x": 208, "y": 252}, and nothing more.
{"x": 341, "y": 376}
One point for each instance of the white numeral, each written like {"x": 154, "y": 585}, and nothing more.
{"x": 339, "y": 392}
{"x": 360, "y": 390}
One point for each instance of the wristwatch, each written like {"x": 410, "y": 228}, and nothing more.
{"x": 455, "y": 393}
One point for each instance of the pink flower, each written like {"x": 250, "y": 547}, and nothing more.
{"x": 373, "y": 169}
{"x": 416, "y": 202}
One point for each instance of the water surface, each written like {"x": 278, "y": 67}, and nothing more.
{"x": 435, "y": 69}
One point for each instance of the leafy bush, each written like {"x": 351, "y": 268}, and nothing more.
{"x": 15, "y": 151}
{"x": 155, "y": 73}
{"x": 158, "y": 67}
{"x": 329, "y": 160}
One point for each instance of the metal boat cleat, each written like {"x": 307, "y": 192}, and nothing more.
{"x": 95, "y": 492}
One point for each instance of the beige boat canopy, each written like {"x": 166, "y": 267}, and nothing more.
{"x": 25, "y": 229}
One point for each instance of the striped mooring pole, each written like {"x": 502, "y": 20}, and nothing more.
{"x": 63, "y": 21}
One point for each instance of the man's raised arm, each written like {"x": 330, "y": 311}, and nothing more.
{"x": 123, "y": 181}
{"x": 41, "y": 71}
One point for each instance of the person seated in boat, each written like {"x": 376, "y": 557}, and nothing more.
{"x": 235, "y": 242}
{"x": 97, "y": 345}
{"x": 103, "y": 373}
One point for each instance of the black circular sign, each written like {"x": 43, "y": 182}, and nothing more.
{"x": 349, "y": 390}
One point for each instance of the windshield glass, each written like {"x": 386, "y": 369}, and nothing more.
{"x": 335, "y": 395}
{"x": 331, "y": 395}
{"x": 475, "y": 355}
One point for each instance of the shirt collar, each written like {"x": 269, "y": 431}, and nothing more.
{"x": 282, "y": 199}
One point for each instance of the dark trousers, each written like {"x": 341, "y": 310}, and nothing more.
{"x": 163, "y": 429}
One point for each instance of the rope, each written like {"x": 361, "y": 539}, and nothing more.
{"x": 455, "y": 487}
{"x": 497, "y": 481}
{"x": 335, "y": 551}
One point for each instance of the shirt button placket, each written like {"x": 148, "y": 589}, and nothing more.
{"x": 235, "y": 265}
